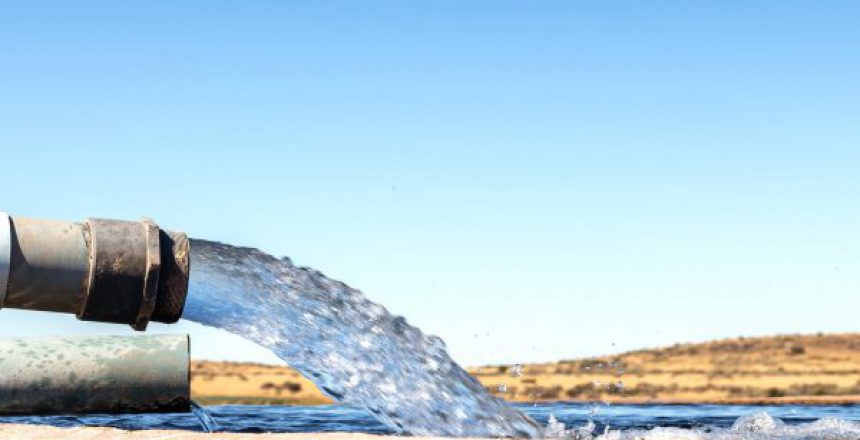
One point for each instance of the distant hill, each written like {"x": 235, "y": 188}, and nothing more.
{"x": 778, "y": 369}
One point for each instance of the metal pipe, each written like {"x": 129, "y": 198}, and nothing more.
{"x": 94, "y": 374}
{"x": 100, "y": 270}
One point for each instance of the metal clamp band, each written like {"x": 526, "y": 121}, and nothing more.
{"x": 150, "y": 279}
{"x": 5, "y": 254}
{"x": 119, "y": 268}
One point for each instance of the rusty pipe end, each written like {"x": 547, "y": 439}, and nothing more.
{"x": 173, "y": 283}
{"x": 137, "y": 273}
{"x": 100, "y": 270}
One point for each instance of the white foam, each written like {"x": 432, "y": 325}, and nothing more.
{"x": 758, "y": 426}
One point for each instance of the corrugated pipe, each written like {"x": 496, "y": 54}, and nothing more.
{"x": 94, "y": 375}
{"x": 100, "y": 270}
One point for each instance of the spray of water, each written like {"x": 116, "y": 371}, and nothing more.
{"x": 758, "y": 426}
{"x": 207, "y": 423}
{"x": 351, "y": 347}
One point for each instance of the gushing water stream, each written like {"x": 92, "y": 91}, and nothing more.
{"x": 207, "y": 423}
{"x": 351, "y": 347}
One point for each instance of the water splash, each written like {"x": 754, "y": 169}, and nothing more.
{"x": 554, "y": 428}
{"x": 758, "y": 426}
{"x": 351, "y": 347}
{"x": 206, "y": 421}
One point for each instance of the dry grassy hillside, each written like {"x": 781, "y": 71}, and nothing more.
{"x": 230, "y": 382}
{"x": 810, "y": 369}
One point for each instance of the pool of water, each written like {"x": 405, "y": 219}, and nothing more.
{"x": 579, "y": 420}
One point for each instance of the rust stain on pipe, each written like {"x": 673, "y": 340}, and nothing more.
{"x": 100, "y": 270}
{"x": 100, "y": 374}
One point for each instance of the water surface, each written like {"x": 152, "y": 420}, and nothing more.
{"x": 588, "y": 421}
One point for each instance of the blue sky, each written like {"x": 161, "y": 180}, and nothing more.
{"x": 528, "y": 180}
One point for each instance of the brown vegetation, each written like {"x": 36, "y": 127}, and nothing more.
{"x": 810, "y": 369}
{"x": 231, "y": 382}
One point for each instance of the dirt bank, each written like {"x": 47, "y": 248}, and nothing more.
{"x": 32, "y": 432}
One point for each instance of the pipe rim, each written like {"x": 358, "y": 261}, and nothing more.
{"x": 5, "y": 254}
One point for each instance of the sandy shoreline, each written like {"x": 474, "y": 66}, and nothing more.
{"x": 33, "y": 432}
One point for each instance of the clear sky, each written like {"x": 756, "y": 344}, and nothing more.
{"x": 530, "y": 180}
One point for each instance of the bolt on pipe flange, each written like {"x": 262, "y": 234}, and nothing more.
{"x": 101, "y": 270}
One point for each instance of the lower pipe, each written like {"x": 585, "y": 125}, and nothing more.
{"x": 94, "y": 375}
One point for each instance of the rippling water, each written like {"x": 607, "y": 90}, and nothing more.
{"x": 352, "y": 348}
{"x": 613, "y": 422}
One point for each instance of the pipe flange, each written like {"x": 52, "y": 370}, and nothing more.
{"x": 123, "y": 275}
{"x": 173, "y": 280}
{"x": 5, "y": 254}
{"x": 153, "y": 270}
